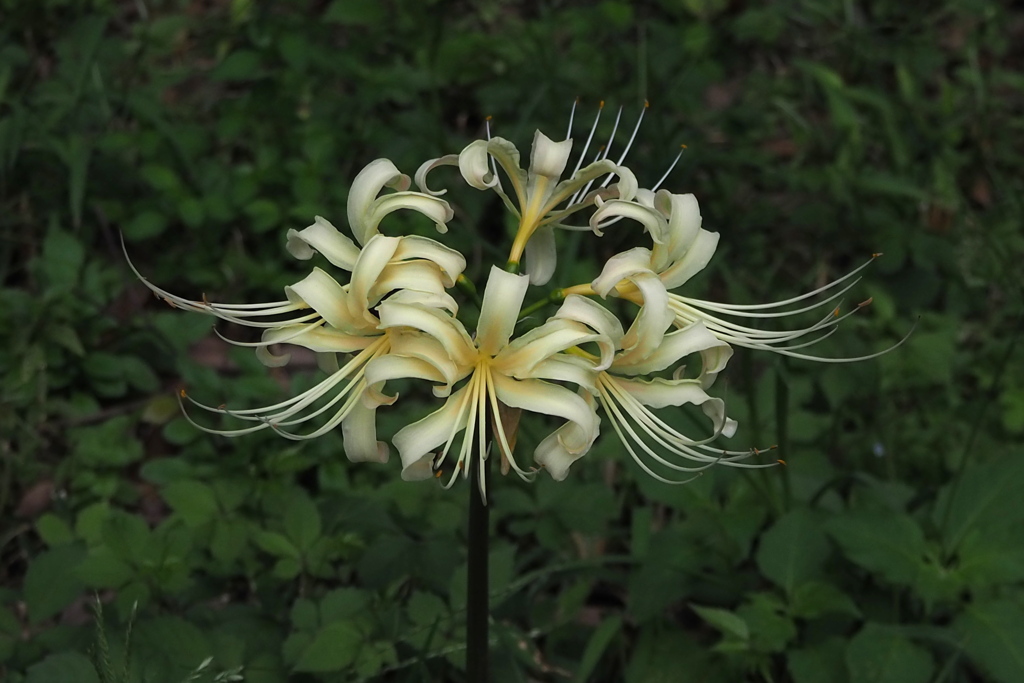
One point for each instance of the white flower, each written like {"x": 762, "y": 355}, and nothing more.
{"x": 540, "y": 200}
{"x": 682, "y": 249}
{"x": 329, "y": 318}
{"x": 519, "y": 374}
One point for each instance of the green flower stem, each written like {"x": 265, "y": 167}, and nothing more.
{"x": 554, "y": 297}
{"x": 477, "y": 586}
{"x": 467, "y": 286}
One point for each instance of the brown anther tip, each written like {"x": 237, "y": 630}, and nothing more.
{"x": 684, "y": 146}
{"x": 600, "y": 104}
{"x": 781, "y": 462}
{"x": 757, "y": 451}
{"x": 577, "y": 99}
{"x": 876, "y": 254}
{"x": 601, "y": 148}
{"x": 222, "y": 406}
{"x": 181, "y": 392}
{"x": 647, "y": 104}
{"x": 835, "y": 313}
{"x": 866, "y": 302}
{"x": 774, "y": 447}
{"x": 438, "y": 474}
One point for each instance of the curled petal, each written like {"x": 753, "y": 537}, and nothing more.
{"x": 547, "y": 157}
{"x": 415, "y": 442}
{"x": 448, "y": 331}
{"x": 377, "y": 175}
{"x": 693, "y": 261}
{"x": 592, "y": 314}
{"x": 654, "y": 223}
{"x": 450, "y": 261}
{"x": 560, "y": 449}
{"x": 474, "y": 165}
{"x": 428, "y": 166}
{"x": 645, "y": 335}
{"x": 566, "y": 368}
{"x": 320, "y": 339}
{"x": 323, "y": 294}
{"x": 538, "y": 396}
{"x": 661, "y": 393}
{"x": 541, "y": 257}
{"x": 373, "y": 259}
{"x": 683, "y": 215}
{"x": 502, "y": 301}
{"x": 624, "y": 266}
{"x": 677, "y": 345}
{"x": 439, "y": 300}
{"x": 518, "y": 358}
{"x": 324, "y": 238}
{"x": 387, "y": 367}
{"x": 360, "y": 435}
{"x": 437, "y": 210}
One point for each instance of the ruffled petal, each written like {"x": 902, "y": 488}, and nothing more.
{"x": 377, "y": 175}
{"x": 388, "y": 367}
{"x": 645, "y": 335}
{"x": 502, "y": 301}
{"x": 373, "y": 259}
{"x": 324, "y": 238}
{"x": 599, "y": 319}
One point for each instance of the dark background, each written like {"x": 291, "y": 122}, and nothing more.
{"x": 890, "y": 549}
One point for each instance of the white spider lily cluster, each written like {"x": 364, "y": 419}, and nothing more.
{"x": 392, "y": 316}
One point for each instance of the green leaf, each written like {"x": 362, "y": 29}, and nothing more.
{"x": 63, "y": 667}
{"x": 192, "y": 500}
{"x": 51, "y": 583}
{"x": 276, "y": 544}
{"x": 596, "y": 646}
{"x": 62, "y": 258}
{"x": 356, "y": 12}
{"x": 992, "y": 635}
{"x": 302, "y": 521}
{"x": 54, "y": 530}
{"x": 144, "y": 225}
{"x": 793, "y": 550}
{"x": 890, "y": 545}
{"x": 818, "y": 598}
{"x": 818, "y": 663}
{"x": 881, "y": 655}
{"x": 770, "y": 628}
{"x": 985, "y": 497}
{"x": 240, "y": 65}
{"x": 343, "y": 604}
{"x": 334, "y": 648}
{"x": 725, "y": 621}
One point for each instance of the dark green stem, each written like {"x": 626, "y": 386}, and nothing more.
{"x": 554, "y": 297}
{"x": 477, "y": 585}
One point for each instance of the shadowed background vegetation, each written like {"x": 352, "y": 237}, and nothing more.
{"x": 890, "y": 549}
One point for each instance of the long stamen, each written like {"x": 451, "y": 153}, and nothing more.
{"x": 682, "y": 148}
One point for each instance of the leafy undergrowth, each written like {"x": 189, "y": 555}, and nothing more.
{"x": 890, "y": 547}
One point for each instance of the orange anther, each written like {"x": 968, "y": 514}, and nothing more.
{"x": 181, "y": 392}
{"x": 876, "y": 254}
{"x": 866, "y": 302}
{"x": 488, "y": 118}
{"x": 437, "y": 475}
{"x": 781, "y": 462}
{"x": 646, "y": 104}
{"x": 684, "y": 146}
{"x": 601, "y": 105}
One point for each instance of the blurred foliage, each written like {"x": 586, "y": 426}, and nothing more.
{"x": 891, "y": 548}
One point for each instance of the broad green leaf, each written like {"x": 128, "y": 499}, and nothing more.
{"x": 890, "y": 545}
{"x": 51, "y": 582}
{"x": 770, "y": 628}
{"x": 356, "y": 12}
{"x": 793, "y": 550}
{"x": 62, "y": 258}
{"x": 817, "y": 598}
{"x": 302, "y": 521}
{"x": 729, "y": 623}
{"x": 986, "y": 496}
{"x": 818, "y": 663}
{"x": 63, "y": 667}
{"x": 276, "y": 544}
{"x": 194, "y": 501}
{"x": 992, "y": 634}
{"x": 334, "y": 648}
{"x": 343, "y": 604}
{"x": 54, "y": 530}
{"x": 881, "y": 655}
